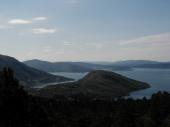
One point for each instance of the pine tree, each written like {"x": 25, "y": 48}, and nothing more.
{"x": 13, "y": 100}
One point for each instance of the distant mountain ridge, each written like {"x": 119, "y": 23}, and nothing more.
{"x": 56, "y": 66}
{"x": 134, "y": 62}
{"x": 143, "y": 64}
{"x": 27, "y": 75}
{"x": 89, "y": 66}
{"x": 97, "y": 84}
{"x": 70, "y": 66}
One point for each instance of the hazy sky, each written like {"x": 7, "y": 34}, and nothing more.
{"x": 85, "y": 30}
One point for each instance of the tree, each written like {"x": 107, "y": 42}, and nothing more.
{"x": 13, "y": 100}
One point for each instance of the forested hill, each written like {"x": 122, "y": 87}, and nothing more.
{"x": 18, "y": 109}
{"x": 57, "y": 66}
{"x": 29, "y": 76}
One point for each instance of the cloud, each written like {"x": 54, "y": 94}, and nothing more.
{"x": 150, "y": 39}
{"x": 147, "y": 47}
{"x": 39, "y": 18}
{"x": 19, "y": 21}
{"x": 44, "y": 30}
{"x": 23, "y": 21}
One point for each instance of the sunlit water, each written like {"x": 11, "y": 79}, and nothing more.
{"x": 159, "y": 79}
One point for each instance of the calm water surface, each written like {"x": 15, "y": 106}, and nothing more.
{"x": 159, "y": 79}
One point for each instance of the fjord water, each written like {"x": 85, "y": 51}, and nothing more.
{"x": 75, "y": 76}
{"x": 159, "y": 79}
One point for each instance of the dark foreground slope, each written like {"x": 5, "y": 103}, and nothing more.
{"x": 98, "y": 84}
{"x": 27, "y": 75}
{"x": 19, "y": 109}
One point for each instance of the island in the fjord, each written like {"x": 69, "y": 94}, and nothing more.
{"x": 29, "y": 76}
{"x": 97, "y": 84}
